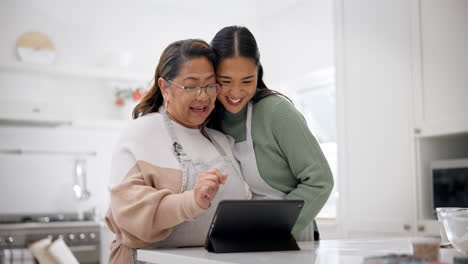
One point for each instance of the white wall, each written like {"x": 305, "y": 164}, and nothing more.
{"x": 296, "y": 41}
{"x": 42, "y": 181}
{"x": 85, "y": 32}
{"x": 295, "y": 36}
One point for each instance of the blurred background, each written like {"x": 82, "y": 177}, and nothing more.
{"x": 382, "y": 84}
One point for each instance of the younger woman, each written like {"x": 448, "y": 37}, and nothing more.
{"x": 279, "y": 156}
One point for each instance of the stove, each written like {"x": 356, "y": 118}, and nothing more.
{"x": 82, "y": 235}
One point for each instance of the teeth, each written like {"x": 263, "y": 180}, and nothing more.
{"x": 198, "y": 108}
{"x": 234, "y": 100}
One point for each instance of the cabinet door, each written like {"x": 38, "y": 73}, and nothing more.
{"x": 427, "y": 227}
{"x": 375, "y": 91}
{"x": 443, "y": 92}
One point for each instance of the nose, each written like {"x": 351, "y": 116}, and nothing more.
{"x": 234, "y": 90}
{"x": 203, "y": 94}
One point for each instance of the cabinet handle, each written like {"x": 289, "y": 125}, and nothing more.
{"x": 421, "y": 228}
{"x": 417, "y": 131}
{"x": 407, "y": 227}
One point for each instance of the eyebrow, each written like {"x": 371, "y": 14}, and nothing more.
{"x": 228, "y": 77}
{"x": 197, "y": 79}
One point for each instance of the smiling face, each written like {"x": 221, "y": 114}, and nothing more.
{"x": 238, "y": 79}
{"x": 182, "y": 107}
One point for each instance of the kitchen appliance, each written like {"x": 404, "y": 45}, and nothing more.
{"x": 450, "y": 183}
{"x": 82, "y": 236}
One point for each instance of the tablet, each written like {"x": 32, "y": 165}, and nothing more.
{"x": 253, "y": 225}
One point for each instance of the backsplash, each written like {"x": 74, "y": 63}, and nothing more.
{"x": 41, "y": 178}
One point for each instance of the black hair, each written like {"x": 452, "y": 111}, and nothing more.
{"x": 168, "y": 68}
{"x": 170, "y": 62}
{"x": 236, "y": 41}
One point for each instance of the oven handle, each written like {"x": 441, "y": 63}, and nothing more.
{"x": 83, "y": 248}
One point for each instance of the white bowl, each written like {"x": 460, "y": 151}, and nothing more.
{"x": 443, "y": 233}
{"x": 456, "y": 226}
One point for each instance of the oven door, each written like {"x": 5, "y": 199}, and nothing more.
{"x": 87, "y": 254}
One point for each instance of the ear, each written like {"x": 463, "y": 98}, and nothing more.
{"x": 163, "y": 86}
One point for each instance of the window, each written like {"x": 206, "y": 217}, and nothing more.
{"x": 314, "y": 97}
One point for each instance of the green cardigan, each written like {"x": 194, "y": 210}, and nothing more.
{"x": 288, "y": 156}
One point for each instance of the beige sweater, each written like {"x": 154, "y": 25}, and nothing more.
{"x": 146, "y": 201}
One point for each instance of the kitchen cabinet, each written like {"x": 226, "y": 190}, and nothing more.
{"x": 374, "y": 94}
{"x": 440, "y": 37}
{"x": 401, "y": 91}
{"x": 442, "y": 80}
{"x": 428, "y": 149}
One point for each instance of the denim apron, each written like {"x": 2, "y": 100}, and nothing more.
{"x": 245, "y": 154}
{"x": 193, "y": 232}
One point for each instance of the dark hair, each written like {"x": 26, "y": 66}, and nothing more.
{"x": 168, "y": 68}
{"x": 231, "y": 42}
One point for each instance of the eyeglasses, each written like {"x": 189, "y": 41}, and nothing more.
{"x": 195, "y": 90}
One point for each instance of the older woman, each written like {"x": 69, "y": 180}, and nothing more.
{"x": 168, "y": 170}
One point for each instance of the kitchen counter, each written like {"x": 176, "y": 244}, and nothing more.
{"x": 322, "y": 252}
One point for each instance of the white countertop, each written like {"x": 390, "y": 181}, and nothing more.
{"x": 323, "y": 252}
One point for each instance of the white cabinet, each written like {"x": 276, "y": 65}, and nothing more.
{"x": 375, "y": 118}
{"x": 442, "y": 96}
{"x": 402, "y": 91}
{"x": 429, "y": 149}
{"x": 440, "y": 36}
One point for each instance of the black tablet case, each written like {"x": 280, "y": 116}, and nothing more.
{"x": 253, "y": 225}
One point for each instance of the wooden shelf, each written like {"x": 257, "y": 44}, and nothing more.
{"x": 76, "y": 72}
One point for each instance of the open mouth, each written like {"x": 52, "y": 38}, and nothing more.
{"x": 199, "y": 109}
{"x": 234, "y": 101}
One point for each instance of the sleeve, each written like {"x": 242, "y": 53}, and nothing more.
{"x": 141, "y": 213}
{"x": 306, "y": 162}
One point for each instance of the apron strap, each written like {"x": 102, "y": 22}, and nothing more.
{"x": 177, "y": 148}
{"x": 248, "y": 123}
{"x": 216, "y": 144}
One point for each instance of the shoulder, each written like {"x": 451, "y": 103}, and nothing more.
{"x": 276, "y": 107}
{"x": 143, "y": 127}
{"x": 270, "y": 102}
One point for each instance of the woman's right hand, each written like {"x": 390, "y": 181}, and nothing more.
{"x": 207, "y": 186}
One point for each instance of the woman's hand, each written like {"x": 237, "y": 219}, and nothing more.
{"x": 207, "y": 185}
